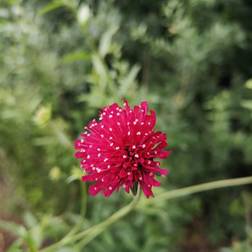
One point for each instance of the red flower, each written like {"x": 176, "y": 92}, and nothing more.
{"x": 120, "y": 150}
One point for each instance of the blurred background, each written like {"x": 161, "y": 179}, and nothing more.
{"x": 62, "y": 60}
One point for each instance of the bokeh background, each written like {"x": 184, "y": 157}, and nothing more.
{"x": 62, "y": 60}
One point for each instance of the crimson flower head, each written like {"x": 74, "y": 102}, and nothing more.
{"x": 119, "y": 150}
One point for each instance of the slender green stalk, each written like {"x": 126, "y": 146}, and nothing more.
{"x": 200, "y": 188}
{"x": 83, "y": 210}
{"x": 89, "y": 234}
{"x": 83, "y": 190}
{"x": 92, "y": 232}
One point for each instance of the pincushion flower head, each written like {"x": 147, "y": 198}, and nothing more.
{"x": 120, "y": 150}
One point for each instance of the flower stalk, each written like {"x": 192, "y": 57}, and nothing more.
{"x": 89, "y": 234}
{"x": 201, "y": 188}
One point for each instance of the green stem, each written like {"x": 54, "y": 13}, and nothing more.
{"x": 83, "y": 210}
{"x": 83, "y": 189}
{"x": 200, "y": 188}
{"x": 95, "y": 230}
{"x": 90, "y": 233}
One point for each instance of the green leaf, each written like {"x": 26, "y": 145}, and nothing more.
{"x": 128, "y": 81}
{"x": 13, "y": 228}
{"x": 248, "y": 84}
{"x": 30, "y": 220}
{"x": 76, "y": 56}
{"x": 33, "y": 238}
{"x": 15, "y": 247}
{"x": 105, "y": 42}
{"x": 100, "y": 70}
{"x": 56, "y": 4}
{"x": 247, "y": 104}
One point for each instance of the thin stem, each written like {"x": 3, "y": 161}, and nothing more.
{"x": 93, "y": 231}
{"x": 90, "y": 233}
{"x": 199, "y": 188}
{"x": 83, "y": 209}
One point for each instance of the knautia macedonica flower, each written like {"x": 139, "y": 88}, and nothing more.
{"x": 119, "y": 150}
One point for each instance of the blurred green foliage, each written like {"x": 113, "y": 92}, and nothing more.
{"x": 61, "y": 61}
